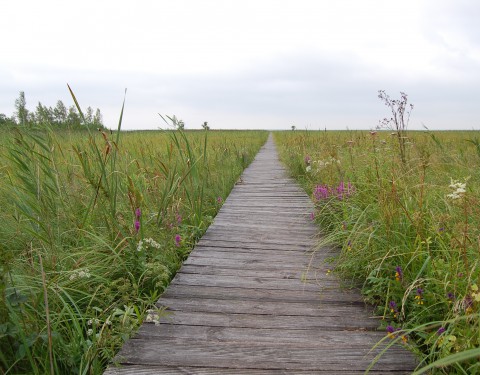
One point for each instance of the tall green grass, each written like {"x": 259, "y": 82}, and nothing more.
{"x": 407, "y": 230}
{"x": 94, "y": 226}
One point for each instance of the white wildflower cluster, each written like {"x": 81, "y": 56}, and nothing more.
{"x": 80, "y": 274}
{"x": 327, "y": 162}
{"x": 153, "y": 317}
{"x": 459, "y": 189}
{"x": 93, "y": 321}
{"x": 475, "y": 293}
{"x": 308, "y": 169}
{"x": 147, "y": 242}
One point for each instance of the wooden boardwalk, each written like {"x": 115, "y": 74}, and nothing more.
{"x": 238, "y": 305}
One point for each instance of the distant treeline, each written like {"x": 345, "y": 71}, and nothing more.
{"x": 58, "y": 116}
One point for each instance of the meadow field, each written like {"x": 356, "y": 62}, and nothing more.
{"x": 403, "y": 211}
{"x": 94, "y": 226}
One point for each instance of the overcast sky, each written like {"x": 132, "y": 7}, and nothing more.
{"x": 265, "y": 64}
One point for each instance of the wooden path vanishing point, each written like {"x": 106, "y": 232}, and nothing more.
{"x": 239, "y": 306}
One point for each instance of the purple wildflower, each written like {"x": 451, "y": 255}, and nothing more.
{"x": 391, "y": 331}
{"x": 137, "y": 226}
{"x": 341, "y": 192}
{"x": 398, "y": 273}
{"x": 440, "y": 331}
{"x": 450, "y": 296}
{"x": 219, "y": 200}
{"x": 393, "y": 306}
{"x": 179, "y": 218}
{"x": 138, "y": 213}
{"x": 307, "y": 159}
{"x": 321, "y": 192}
{"x": 419, "y": 296}
{"x": 177, "y": 240}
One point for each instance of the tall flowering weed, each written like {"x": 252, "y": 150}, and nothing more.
{"x": 341, "y": 191}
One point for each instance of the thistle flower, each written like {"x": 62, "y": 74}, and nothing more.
{"x": 178, "y": 239}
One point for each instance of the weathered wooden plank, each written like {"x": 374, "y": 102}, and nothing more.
{"x": 236, "y": 306}
{"x": 186, "y": 352}
{"x": 331, "y": 323}
{"x": 249, "y": 283}
{"x": 263, "y": 227}
{"x": 256, "y": 232}
{"x": 253, "y": 255}
{"x": 183, "y": 370}
{"x": 258, "y": 264}
{"x": 252, "y": 244}
{"x": 234, "y": 270}
{"x": 265, "y": 250}
{"x": 260, "y": 236}
{"x": 326, "y": 296}
{"x": 299, "y": 337}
